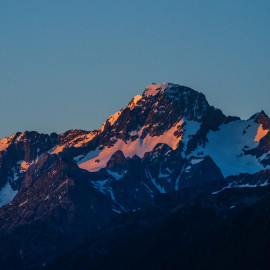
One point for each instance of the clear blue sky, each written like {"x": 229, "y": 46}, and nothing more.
{"x": 70, "y": 64}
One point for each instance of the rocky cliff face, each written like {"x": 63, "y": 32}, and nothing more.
{"x": 167, "y": 140}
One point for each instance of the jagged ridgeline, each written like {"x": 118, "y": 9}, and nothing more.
{"x": 57, "y": 189}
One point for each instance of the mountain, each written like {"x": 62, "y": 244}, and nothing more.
{"x": 58, "y": 190}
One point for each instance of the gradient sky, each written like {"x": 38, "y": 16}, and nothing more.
{"x": 71, "y": 64}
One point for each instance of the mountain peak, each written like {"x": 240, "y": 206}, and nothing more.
{"x": 168, "y": 88}
{"x": 258, "y": 114}
{"x": 153, "y": 88}
{"x": 262, "y": 118}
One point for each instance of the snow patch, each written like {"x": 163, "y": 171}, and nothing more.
{"x": 78, "y": 141}
{"x": 196, "y": 161}
{"x": 134, "y": 102}
{"x": 7, "y": 194}
{"x": 149, "y": 176}
{"x": 100, "y": 185}
{"x": 24, "y": 166}
{"x": 153, "y": 89}
{"x": 78, "y": 158}
{"x": 115, "y": 175}
{"x": 260, "y": 133}
{"x": 57, "y": 149}
{"x": 179, "y": 177}
{"x": 82, "y": 140}
{"x": 190, "y": 129}
{"x": 6, "y": 142}
{"x": 150, "y": 191}
{"x": 113, "y": 198}
{"x": 117, "y": 211}
{"x": 112, "y": 119}
{"x": 90, "y": 156}
{"x": 97, "y": 160}
{"x": 225, "y": 146}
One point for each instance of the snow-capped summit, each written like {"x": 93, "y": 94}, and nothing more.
{"x": 153, "y": 88}
{"x": 166, "y": 113}
{"x": 166, "y": 140}
{"x": 166, "y": 116}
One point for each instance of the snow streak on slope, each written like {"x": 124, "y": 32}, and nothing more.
{"x": 260, "y": 133}
{"x": 131, "y": 148}
{"x": 138, "y": 147}
{"x": 226, "y": 147}
{"x": 57, "y": 149}
{"x": 5, "y": 143}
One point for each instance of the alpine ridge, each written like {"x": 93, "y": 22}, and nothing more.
{"x": 58, "y": 190}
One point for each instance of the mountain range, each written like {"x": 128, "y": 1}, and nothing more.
{"x": 167, "y": 182}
